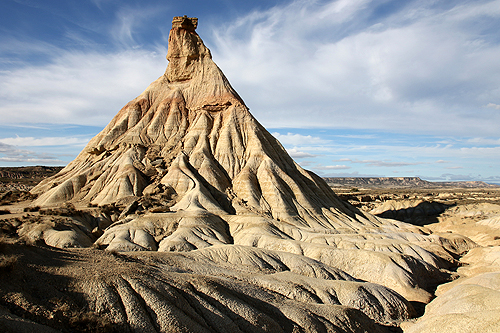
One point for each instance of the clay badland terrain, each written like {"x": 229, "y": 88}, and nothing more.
{"x": 185, "y": 215}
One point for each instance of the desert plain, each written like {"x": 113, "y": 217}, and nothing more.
{"x": 40, "y": 283}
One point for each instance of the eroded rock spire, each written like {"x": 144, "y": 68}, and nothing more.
{"x": 185, "y": 50}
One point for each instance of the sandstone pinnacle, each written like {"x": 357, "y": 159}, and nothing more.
{"x": 191, "y": 132}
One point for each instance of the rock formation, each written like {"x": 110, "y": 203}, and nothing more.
{"x": 251, "y": 240}
{"x": 469, "y": 304}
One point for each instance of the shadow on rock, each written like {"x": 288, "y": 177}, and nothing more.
{"x": 34, "y": 297}
{"x": 415, "y": 212}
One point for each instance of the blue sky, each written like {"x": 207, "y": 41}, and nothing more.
{"x": 350, "y": 87}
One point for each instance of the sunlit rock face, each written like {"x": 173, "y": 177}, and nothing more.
{"x": 256, "y": 231}
{"x": 190, "y": 133}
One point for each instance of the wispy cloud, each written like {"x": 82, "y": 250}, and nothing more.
{"x": 385, "y": 163}
{"x": 455, "y": 177}
{"x": 466, "y": 177}
{"x": 332, "y": 167}
{"x": 11, "y": 154}
{"x": 294, "y": 153}
{"x": 343, "y": 64}
{"x": 357, "y": 136}
{"x": 484, "y": 141}
{"x": 323, "y": 64}
{"x": 46, "y": 141}
{"x": 493, "y": 106}
{"x": 443, "y": 153}
{"x": 77, "y": 87}
{"x": 493, "y": 179}
{"x": 129, "y": 19}
{"x": 299, "y": 139}
{"x": 407, "y": 155}
{"x": 349, "y": 174}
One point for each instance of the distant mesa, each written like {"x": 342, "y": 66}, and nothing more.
{"x": 401, "y": 182}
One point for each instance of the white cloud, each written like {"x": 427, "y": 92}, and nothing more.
{"x": 443, "y": 153}
{"x": 129, "y": 19}
{"x": 493, "y": 106}
{"x": 356, "y": 136}
{"x": 384, "y": 163}
{"x": 484, "y": 141}
{"x": 25, "y": 159}
{"x": 46, "y": 141}
{"x": 298, "y": 139}
{"x": 455, "y": 177}
{"x": 494, "y": 179}
{"x": 424, "y": 69}
{"x": 11, "y": 154}
{"x": 332, "y": 167}
{"x": 77, "y": 87}
{"x": 349, "y": 174}
{"x": 294, "y": 153}
{"x": 468, "y": 177}
{"x": 480, "y": 152}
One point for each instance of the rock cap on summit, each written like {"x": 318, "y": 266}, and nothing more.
{"x": 185, "y": 22}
